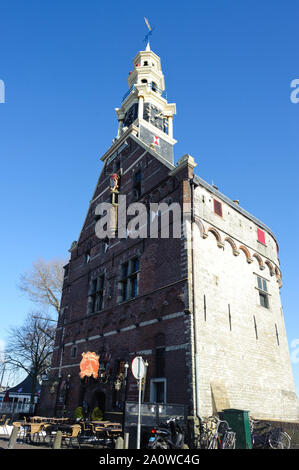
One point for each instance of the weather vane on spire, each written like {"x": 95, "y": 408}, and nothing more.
{"x": 150, "y": 31}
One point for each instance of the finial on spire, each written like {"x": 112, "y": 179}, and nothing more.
{"x": 150, "y": 32}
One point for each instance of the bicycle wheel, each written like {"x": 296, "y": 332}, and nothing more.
{"x": 229, "y": 441}
{"x": 201, "y": 442}
{"x": 213, "y": 443}
{"x": 284, "y": 441}
{"x": 279, "y": 440}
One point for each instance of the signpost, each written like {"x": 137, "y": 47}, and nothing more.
{"x": 138, "y": 370}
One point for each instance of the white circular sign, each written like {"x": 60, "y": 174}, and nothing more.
{"x": 138, "y": 368}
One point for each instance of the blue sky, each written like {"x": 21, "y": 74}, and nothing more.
{"x": 228, "y": 65}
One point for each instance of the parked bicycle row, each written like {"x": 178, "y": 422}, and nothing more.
{"x": 216, "y": 433}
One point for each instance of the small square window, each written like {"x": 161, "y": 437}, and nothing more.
{"x": 217, "y": 207}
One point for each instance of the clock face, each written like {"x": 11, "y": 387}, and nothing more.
{"x": 155, "y": 116}
{"x": 131, "y": 115}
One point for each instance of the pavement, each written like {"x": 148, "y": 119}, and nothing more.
{"x": 4, "y": 441}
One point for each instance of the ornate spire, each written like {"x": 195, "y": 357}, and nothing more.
{"x": 145, "y": 103}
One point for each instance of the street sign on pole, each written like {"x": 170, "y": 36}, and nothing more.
{"x": 138, "y": 370}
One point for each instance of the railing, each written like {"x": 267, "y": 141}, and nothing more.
{"x": 153, "y": 87}
{"x": 128, "y": 92}
{"x": 6, "y": 408}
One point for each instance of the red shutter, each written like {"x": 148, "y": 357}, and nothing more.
{"x": 261, "y": 236}
{"x": 218, "y": 207}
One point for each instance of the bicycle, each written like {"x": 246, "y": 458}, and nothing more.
{"x": 226, "y": 436}
{"x": 273, "y": 438}
{"x": 215, "y": 434}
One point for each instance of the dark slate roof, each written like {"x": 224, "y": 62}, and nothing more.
{"x": 24, "y": 387}
{"x": 235, "y": 206}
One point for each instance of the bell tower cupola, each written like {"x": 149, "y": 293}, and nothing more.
{"x": 145, "y": 105}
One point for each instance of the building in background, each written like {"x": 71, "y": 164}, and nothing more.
{"x": 17, "y": 399}
{"x": 203, "y": 308}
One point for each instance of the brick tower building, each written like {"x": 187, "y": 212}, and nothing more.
{"x": 202, "y": 306}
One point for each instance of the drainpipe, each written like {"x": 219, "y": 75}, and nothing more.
{"x": 196, "y": 355}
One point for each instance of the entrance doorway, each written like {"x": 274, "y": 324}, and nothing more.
{"x": 99, "y": 400}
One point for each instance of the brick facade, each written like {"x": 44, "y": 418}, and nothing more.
{"x": 195, "y": 316}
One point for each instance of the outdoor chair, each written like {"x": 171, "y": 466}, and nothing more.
{"x": 5, "y": 426}
{"x": 104, "y": 436}
{"x": 2, "y": 419}
{"x": 34, "y": 430}
{"x": 72, "y": 434}
{"x": 21, "y": 429}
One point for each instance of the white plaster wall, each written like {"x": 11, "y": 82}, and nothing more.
{"x": 256, "y": 373}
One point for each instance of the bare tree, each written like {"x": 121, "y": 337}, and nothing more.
{"x": 29, "y": 347}
{"x": 43, "y": 284}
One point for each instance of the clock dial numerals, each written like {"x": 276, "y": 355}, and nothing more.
{"x": 154, "y": 115}
{"x": 131, "y": 115}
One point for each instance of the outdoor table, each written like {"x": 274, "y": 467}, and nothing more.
{"x": 106, "y": 423}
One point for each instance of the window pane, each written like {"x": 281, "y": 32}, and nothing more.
{"x": 264, "y": 300}
{"x": 125, "y": 270}
{"x": 134, "y": 286}
{"x": 100, "y": 283}
{"x": 124, "y": 290}
{"x": 99, "y": 302}
{"x": 93, "y": 285}
{"x": 259, "y": 282}
{"x": 265, "y": 285}
{"x": 135, "y": 265}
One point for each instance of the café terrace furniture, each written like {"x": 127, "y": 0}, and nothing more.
{"x": 33, "y": 432}
{"x": 2, "y": 420}
{"x": 5, "y": 426}
{"x": 70, "y": 433}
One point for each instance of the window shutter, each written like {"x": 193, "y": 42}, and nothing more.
{"x": 218, "y": 207}
{"x": 261, "y": 236}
